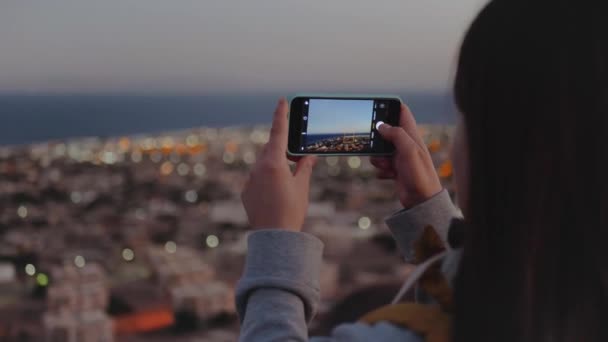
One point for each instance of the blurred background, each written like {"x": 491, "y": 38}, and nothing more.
{"x": 129, "y": 126}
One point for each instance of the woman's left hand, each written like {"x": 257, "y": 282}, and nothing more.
{"x": 274, "y": 197}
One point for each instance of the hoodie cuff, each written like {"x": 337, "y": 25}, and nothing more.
{"x": 408, "y": 224}
{"x": 284, "y": 260}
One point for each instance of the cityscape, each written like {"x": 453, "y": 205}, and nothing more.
{"x": 143, "y": 238}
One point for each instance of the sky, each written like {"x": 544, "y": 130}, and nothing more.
{"x": 346, "y": 116}
{"x": 220, "y": 46}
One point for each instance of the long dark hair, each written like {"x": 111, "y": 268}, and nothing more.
{"x": 532, "y": 86}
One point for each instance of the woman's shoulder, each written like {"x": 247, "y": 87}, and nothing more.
{"x": 379, "y": 332}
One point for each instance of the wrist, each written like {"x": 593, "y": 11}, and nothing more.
{"x": 285, "y": 225}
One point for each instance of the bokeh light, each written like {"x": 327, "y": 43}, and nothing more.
{"x": 30, "y": 269}
{"x": 128, "y": 254}
{"x": 354, "y": 162}
{"x": 79, "y": 261}
{"x": 42, "y": 279}
{"x": 199, "y": 169}
{"x": 364, "y": 222}
{"x": 191, "y": 196}
{"x": 22, "y": 211}
{"x": 166, "y": 168}
{"x": 170, "y": 247}
{"x": 212, "y": 241}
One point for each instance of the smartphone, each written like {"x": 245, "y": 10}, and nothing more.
{"x": 329, "y": 125}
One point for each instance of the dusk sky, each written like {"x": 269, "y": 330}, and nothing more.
{"x": 230, "y": 45}
{"x": 346, "y": 116}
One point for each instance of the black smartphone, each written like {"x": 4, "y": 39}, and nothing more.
{"x": 341, "y": 125}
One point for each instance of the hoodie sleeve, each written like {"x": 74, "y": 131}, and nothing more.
{"x": 407, "y": 225}
{"x": 278, "y": 293}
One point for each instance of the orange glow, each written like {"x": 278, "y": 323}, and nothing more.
{"x": 181, "y": 149}
{"x": 196, "y": 149}
{"x": 435, "y": 146}
{"x": 124, "y": 143}
{"x": 166, "y": 168}
{"x": 446, "y": 170}
{"x": 231, "y": 147}
{"x": 144, "y": 321}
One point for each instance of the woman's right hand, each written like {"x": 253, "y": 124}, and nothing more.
{"x": 411, "y": 166}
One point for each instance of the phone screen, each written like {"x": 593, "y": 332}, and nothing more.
{"x": 340, "y": 125}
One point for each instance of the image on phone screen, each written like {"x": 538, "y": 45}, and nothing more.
{"x": 340, "y": 126}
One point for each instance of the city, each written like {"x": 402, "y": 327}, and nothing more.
{"x": 144, "y": 237}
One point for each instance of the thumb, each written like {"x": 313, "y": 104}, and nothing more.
{"x": 397, "y": 136}
{"x": 304, "y": 169}
{"x": 386, "y": 131}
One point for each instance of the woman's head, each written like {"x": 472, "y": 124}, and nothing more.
{"x": 532, "y": 87}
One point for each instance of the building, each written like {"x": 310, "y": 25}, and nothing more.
{"x": 76, "y": 303}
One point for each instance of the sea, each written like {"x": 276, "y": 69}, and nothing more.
{"x": 42, "y": 117}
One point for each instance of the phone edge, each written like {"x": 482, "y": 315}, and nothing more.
{"x": 338, "y": 95}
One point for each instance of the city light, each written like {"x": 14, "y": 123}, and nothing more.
{"x": 167, "y": 142}
{"x": 74, "y": 152}
{"x": 79, "y": 261}
{"x": 148, "y": 144}
{"x": 30, "y": 269}
{"x": 128, "y": 254}
{"x": 60, "y": 150}
{"x": 364, "y": 222}
{"x": 212, "y": 241}
{"x": 42, "y": 279}
{"x": 354, "y": 162}
{"x": 76, "y": 197}
{"x": 191, "y": 196}
{"x": 124, "y": 144}
{"x": 249, "y": 157}
{"x": 192, "y": 140}
{"x": 170, "y": 247}
{"x": 258, "y": 137}
{"x": 22, "y": 211}
{"x": 166, "y": 168}
{"x": 109, "y": 157}
{"x": 199, "y": 169}
{"x": 183, "y": 169}
{"x": 144, "y": 209}
{"x": 231, "y": 147}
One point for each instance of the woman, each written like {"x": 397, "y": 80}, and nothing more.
{"x": 532, "y": 89}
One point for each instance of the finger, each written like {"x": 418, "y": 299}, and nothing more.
{"x": 408, "y": 123}
{"x": 304, "y": 169}
{"x": 403, "y": 142}
{"x": 386, "y": 174}
{"x": 382, "y": 163}
{"x": 294, "y": 159}
{"x": 277, "y": 142}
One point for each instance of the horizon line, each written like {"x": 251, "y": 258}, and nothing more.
{"x": 442, "y": 92}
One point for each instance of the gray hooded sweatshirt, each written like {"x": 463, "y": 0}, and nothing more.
{"x": 278, "y": 293}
